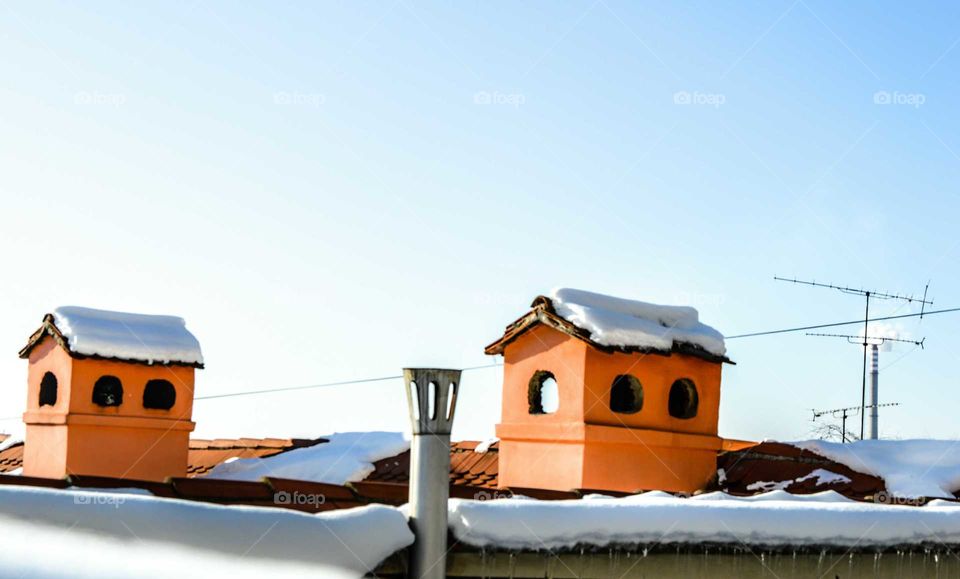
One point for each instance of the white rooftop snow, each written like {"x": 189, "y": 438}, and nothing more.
{"x": 910, "y": 468}
{"x": 355, "y": 540}
{"x": 347, "y": 457}
{"x": 821, "y": 477}
{"x": 139, "y": 337}
{"x": 27, "y": 554}
{"x": 775, "y": 518}
{"x": 615, "y": 321}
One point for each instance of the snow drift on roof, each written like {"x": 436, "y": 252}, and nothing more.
{"x": 910, "y": 468}
{"x": 628, "y": 323}
{"x": 347, "y": 457}
{"x": 26, "y": 553}
{"x": 356, "y": 540}
{"x": 135, "y": 337}
{"x": 774, "y": 519}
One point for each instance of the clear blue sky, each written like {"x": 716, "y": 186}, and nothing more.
{"x": 330, "y": 191}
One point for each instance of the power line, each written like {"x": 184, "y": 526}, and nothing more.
{"x": 398, "y": 376}
{"x": 326, "y": 385}
{"x": 835, "y": 324}
{"x": 308, "y": 387}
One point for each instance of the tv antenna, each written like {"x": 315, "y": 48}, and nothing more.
{"x": 867, "y": 294}
{"x": 879, "y": 341}
{"x": 842, "y": 414}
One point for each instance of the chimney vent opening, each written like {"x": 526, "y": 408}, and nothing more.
{"x": 108, "y": 391}
{"x": 543, "y": 394}
{"x": 684, "y": 400}
{"x": 159, "y": 395}
{"x": 48, "y": 390}
{"x": 626, "y": 395}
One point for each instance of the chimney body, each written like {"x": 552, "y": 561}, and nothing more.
{"x": 872, "y": 431}
{"x": 109, "y": 394}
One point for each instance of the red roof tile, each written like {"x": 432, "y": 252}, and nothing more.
{"x": 203, "y": 454}
{"x": 772, "y": 462}
{"x": 467, "y": 467}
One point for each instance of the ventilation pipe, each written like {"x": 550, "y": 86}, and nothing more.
{"x": 431, "y": 400}
{"x": 872, "y": 432}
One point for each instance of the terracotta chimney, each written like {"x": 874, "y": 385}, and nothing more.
{"x": 626, "y": 399}
{"x": 109, "y": 394}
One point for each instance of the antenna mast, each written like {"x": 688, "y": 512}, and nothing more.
{"x": 867, "y": 294}
{"x": 844, "y": 412}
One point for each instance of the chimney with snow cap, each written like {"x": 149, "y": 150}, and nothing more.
{"x": 607, "y": 393}
{"x": 109, "y": 394}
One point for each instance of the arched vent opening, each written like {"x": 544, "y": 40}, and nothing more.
{"x": 108, "y": 391}
{"x": 543, "y": 394}
{"x": 48, "y": 389}
{"x": 159, "y": 394}
{"x": 626, "y": 394}
{"x": 684, "y": 400}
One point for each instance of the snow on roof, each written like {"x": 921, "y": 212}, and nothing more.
{"x": 621, "y": 322}
{"x": 9, "y": 440}
{"x": 910, "y": 468}
{"x": 80, "y": 555}
{"x": 347, "y": 457}
{"x": 355, "y": 540}
{"x": 772, "y": 519}
{"x": 134, "y": 337}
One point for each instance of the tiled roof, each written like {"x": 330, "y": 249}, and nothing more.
{"x": 11, "y": 458}
{"x": 206, "y": 454}
{"x": 467, "y": 467}
{"x": 203, "y": 455}
{"x": 472, "y": 475}
{"x": 745, "y": 471}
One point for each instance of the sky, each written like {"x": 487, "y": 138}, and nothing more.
{"x": 332, "y": 191}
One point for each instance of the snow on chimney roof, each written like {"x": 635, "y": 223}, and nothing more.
{"x": 620, "y": 322}
{"x": 141, "y": 338}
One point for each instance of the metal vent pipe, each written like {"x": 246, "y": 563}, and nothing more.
{"x": 872, "y": 431}
{"x": 431, "y": 401}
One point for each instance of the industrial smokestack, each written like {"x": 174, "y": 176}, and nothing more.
{"x": 872, "y": 431}
{"x": 431, "y": 400}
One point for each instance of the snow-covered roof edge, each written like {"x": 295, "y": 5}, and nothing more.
{"x": 126, "y": 337}
{"x": 612, "y": 323}
{"x": 776, "y": 518}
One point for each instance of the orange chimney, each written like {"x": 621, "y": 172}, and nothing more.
{"x": 109, "y": 394}
{"x": 609, "y": 394}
